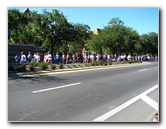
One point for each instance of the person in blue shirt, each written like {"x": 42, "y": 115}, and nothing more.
{"x": 57, "y": 58}
{"x": 29, "y": 57}
{"x": 17, "y": 59}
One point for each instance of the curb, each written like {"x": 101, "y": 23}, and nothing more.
{"x": 42, "y": 73}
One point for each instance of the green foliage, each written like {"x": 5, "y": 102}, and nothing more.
{"x": 74, "y": 66}
{"x": 101, "y": 62}
{"x": 124, "y": 62}
{"x": 94, "y": 44}
{"x": 33, "y": 64}
{"x": 69, "y": 66}
{"x": 80, "y": 65}
{"x": 149, "y": 43}
{"x": 115, "y": 21}
{"x": 61, "y": 66}
{"x": 105, "y": 63}
{"x": 53, "y": 67}
{"x": 43, "y": 65}
{"x": 72, "y": 49}
{"x": 94, "y": 63}
{"x": 130, "y": 61}
{"x": 116, "y": 63}
{"x": 16, "y": 22}
{"x": 87, "y": 64}
{"x": 109, "y": 63}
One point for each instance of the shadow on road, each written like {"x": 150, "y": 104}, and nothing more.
{"x": 40, "y": 79}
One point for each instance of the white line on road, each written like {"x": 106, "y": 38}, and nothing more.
{"x": 58, "y": 87}
{"x": 124, "y": 105}
{"x": 150, "y": 101}
{"x": 142, "y": 70}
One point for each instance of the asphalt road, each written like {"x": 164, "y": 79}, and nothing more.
{"x": 125, "y": 94}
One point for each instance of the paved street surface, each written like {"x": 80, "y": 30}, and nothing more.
{"x": 124, "y": 94}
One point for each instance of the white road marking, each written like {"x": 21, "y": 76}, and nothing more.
{"x": 124, "y": 105}
{"x": 54, "y": 88}
{"x": 150, "y": 101}
{"x": 142, "y": 70}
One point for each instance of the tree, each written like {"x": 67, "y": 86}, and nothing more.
{"x": 16, "y": 20}
{"x": 115, "y": 38}
{"x": 34, "y": 29}
{"x": 94, "y": 44}
{"x": 131, "y": 41}
{"x": 149, "y": 43}
{"x": 81, "y": 34}
{"x": 115, "y": 21}
{"x": 153, "y": 38}
{"x": 55, "y": 29}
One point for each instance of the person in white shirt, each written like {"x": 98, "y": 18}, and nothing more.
{"x": 23, "y": 58}
{"x": 37, "y": 57}
{"x": 97, "y": 57}
{"x": 124, "y": 57}
{"x": 34, "y": 57}
{"x": 45, "y": 57}
{"x": 92, "y": 57}
{"x": 108, "y": 57}
{"x": 49, "y": 58}
{"x": 129, "y": 57}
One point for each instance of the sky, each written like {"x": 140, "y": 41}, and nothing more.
{"x": 143, "y": 20}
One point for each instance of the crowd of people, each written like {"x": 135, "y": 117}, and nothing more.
{"x": 79, "y": 58}
{"x": 36, "y": 57}
{"x": 87, "y": 58}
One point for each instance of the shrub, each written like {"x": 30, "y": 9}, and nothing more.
{"x": 130, "y": 61}
{"x": 124, "y": 62}
{"x": 100, "y": 62}
{"x": 21, "y": 68}
{"x": 75, "y": 66}
{"x": 104, "y": 63}
{"x": 43, "y": 65}
{"x": 86, "y": 64}
{"x": 80, "y": 65}
{"x": 69, "y": 66}
{"x": 94, "y": 63}
{"x": 33, "y": 64}
{"x": 117, "y": 63}
{"x": 32, "y": 68}
{"x": 53, "y": 66}
{"x": 61, "y": 66}
{"x": 109, "y": 63}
